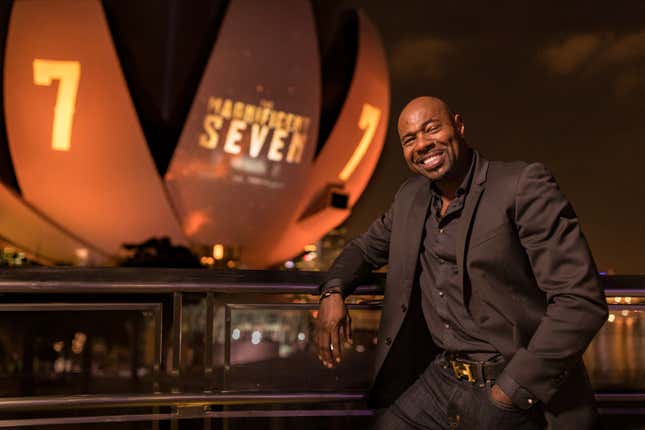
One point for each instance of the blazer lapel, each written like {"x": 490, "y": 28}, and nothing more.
{"x": 415, "y": 222}
{"x": 470, "y": 206}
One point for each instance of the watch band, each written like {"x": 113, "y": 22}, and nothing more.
{"x": 329, "y": 292}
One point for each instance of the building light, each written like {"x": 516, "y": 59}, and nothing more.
{"x": 218, "y": 251}
{"x": 236, "y": 334}
{"x": 256, "y": 337}
{"x": 618, "y": 299}
{"x": 611, "y": 318}
{"x": 82, "y": 254}
{"x": 301, "y": 336}
{"x": 289, "y": 264}
{"x": 310, "y": 256}
{"x": 78, "y": 342}
{"x": 311, "y": 248}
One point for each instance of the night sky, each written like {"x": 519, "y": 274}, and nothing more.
{"x": 562, "y": 83}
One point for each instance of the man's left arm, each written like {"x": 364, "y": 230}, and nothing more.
{"x": 564, "y": 269}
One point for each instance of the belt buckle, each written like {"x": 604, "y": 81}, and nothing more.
{"x": 462, "y": 371}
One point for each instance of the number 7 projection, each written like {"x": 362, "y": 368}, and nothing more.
{"x": 368, "y": 121}
{"x": 68, "y": 73}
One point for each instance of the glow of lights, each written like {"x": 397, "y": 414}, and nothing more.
{"x": 256, "y": 337}
{"x": 618, "y": 299}
{"x": 236, "y": 334}
{"x": 289, "y": 264}
{"x": 360, "y": 348}
{"x": 624, "y": 312}
{"x": 301, "y": 336}
{"x": 230, "y": 264}
{"x": 628, "y": 300}
{"x": 58, "y": 346}
{"x": 59, "y": 365}
{"x": 311, "y": 248}
{"x": 207, "y": 261}
{"x": 368, "y": 121}
{"x": 82, "y": 253}
{"x": 68, "y": 73}
{"x": 78, "y": 342}
{"x": 310, "y": 256}
{"x": 611, "y": 318}
{"x": 218, "y": 251}
{"x": 314, "y": 314}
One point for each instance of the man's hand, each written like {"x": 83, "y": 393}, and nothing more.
{"x": 333, "y": 320}
{"x": 500, "y": 396}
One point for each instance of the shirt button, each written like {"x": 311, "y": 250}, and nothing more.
{"x": 388, "y": 341}
{"x": 440, "y": 230}
{"x": 440, "y": 293}
{"x": 446, "y": 325}
{"x": 404, "y": 307}
{"x": 530, "y": 401}
{"x": 441, "y": 261}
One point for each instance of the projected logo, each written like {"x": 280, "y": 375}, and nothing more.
{"x": 249, "y": 169}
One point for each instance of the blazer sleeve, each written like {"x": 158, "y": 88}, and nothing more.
{"x": 367, "y": 252}
{"x": 564, "y": 269}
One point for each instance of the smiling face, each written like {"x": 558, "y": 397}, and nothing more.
{"x": 433, "y": 140}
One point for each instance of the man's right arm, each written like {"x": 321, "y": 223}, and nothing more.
{"x": 362, "y": 255}
{"x": 367, "y": 252}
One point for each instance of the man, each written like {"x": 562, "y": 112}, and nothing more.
{"x": 507, "y": 286}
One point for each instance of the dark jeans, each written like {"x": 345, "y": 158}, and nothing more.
{"x": 438, "y": 400}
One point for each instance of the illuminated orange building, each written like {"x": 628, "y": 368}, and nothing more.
{"x": 252, "y": 169}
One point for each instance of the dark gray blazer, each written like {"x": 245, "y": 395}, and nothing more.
{"x": 529, "y": 280}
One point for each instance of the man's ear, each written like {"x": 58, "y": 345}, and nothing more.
{"x": 458, "y": 123}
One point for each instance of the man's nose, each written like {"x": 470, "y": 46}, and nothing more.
{"x": 423, "y": 143}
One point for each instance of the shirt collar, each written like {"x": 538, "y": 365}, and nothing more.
{"x": 465, "y": 184}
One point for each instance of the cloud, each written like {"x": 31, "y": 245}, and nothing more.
{"x": 625, "y": 49}
{"x": 569, "y": 55}
{"x": 619, "y": 57}
{"x": 593, "y": 51}
{"x": 425, "y": 57}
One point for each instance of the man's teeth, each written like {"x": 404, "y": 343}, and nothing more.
{"x": 431, "y": 160}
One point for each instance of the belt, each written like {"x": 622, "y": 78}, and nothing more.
{"x": 475, "y": 372}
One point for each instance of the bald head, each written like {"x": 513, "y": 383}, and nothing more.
{"x": 422, "y": 105}
{"x": 432, "y": 138}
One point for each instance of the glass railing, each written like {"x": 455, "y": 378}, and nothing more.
{"x": 158, "y": 347}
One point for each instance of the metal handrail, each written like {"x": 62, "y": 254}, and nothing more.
{"x": 102, "y": 401}
{"x": 95, "y": 401}
{"x": 129, "y": 280}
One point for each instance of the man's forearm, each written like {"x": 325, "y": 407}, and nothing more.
{"x": 347, "y": 271}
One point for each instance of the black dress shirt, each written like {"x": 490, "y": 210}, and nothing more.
{"x": 451, "y": 326}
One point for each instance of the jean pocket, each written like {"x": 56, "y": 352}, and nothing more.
{"x": 499, "y": 405}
